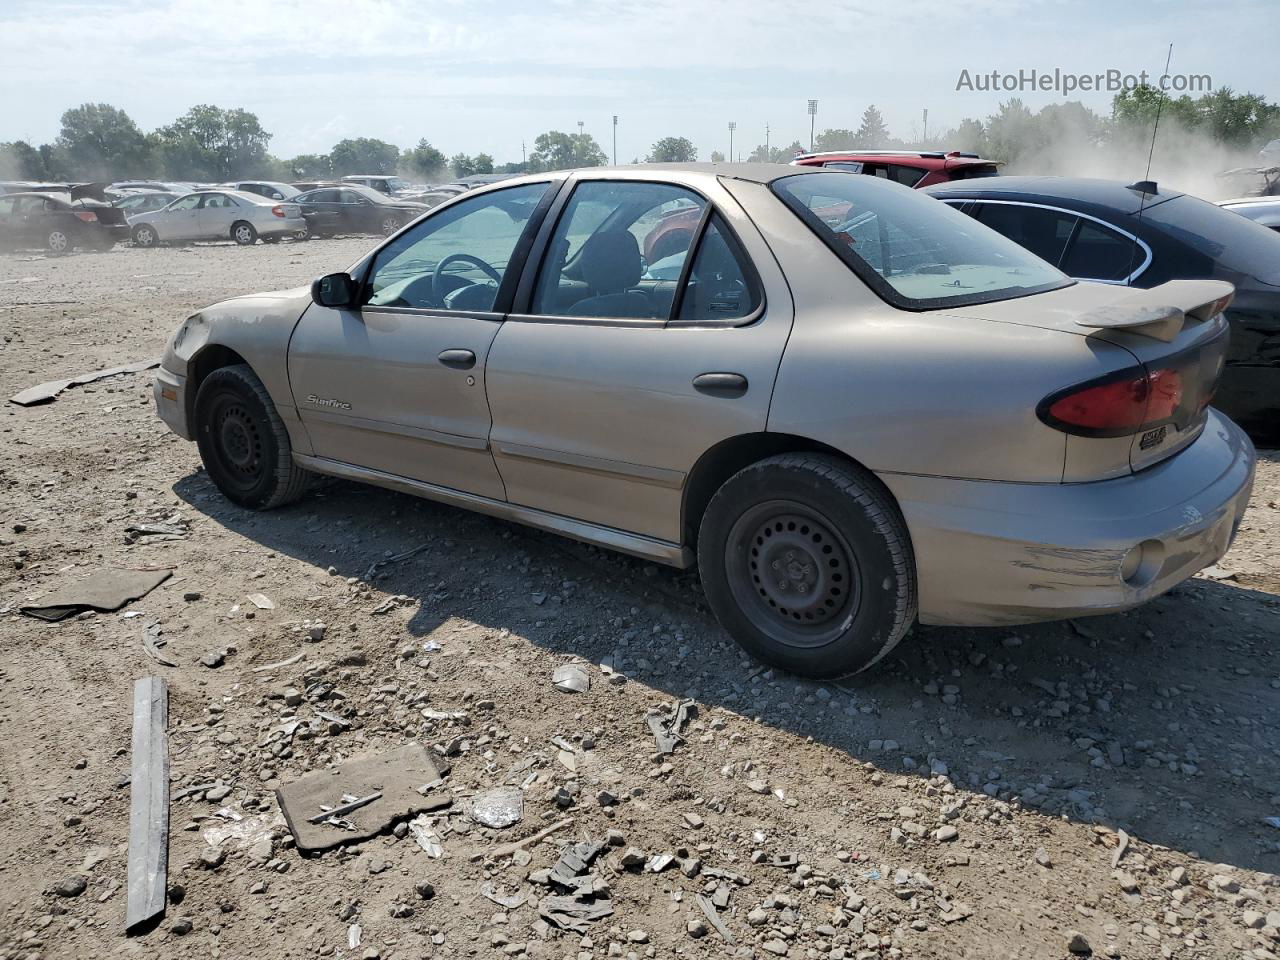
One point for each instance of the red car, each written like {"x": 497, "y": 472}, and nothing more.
{"x": 910, "y": 168}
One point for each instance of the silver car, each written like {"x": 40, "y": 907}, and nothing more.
{"x": 218, "y": 215}
{"x": 850, "y": 406}
{"x": 1263, "y": 210}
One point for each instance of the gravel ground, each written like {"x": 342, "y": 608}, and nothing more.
{"x": 1098, "y": 785}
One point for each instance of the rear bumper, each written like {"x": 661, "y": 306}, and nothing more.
{"x": 282, "y": 226}
{"x": 170, "y": 392}
{"x": 1004, "y": 553}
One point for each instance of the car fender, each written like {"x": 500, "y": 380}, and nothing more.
{"x": 255, "y": 329}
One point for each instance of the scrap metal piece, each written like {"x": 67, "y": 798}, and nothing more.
{"x": 344, "y": 808}
{"x": 425, "y": 836}
{"x": 498, "y": 808}
{"x": 280, "y": 664}
{"x": 148, "y": 804}
{"x": 713, "y": 918}
{"x": 507, "y": 903}
{"x": 152, "y": 641}
{"x": 507, "y": 849}
{"x": 46, "y": 392}
{"x": 569, "y": 913}
{"x": 103, "y": 590}
{"x": 261, "y": 601}
{"x": 571, "y": 678}
{"x": 667, "y": 730}
{"x": 1122, "y": 847}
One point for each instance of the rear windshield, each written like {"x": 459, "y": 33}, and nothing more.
{"x": 1231, "y": 240}
{"x": 915, "y": 252}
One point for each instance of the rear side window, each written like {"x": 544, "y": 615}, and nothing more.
{"x": 914, "y": 252}
{"x": 1097, "y": 253}
{"x": 1044, "y": 232}
{"x": 1238, "y": 244}
{"x": 719, "y": 288}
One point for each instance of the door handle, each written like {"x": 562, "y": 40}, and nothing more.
{"x": 721, "y": 384}
{"x": 458, "y": 359}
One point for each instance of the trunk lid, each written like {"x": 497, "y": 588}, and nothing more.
{"x": 1172, "y": 342}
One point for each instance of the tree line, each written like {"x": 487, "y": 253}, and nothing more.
{"x": 98, "y": 141}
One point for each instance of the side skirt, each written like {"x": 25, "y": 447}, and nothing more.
{"x": 647, "y": 548}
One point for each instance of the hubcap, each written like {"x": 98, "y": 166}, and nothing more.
{"x": 243, "y": 234}
{"x": 145, "y": 237}
{"x": 792, "y": 572}
{"x": 57, "y": 241}
{"x": 390, "y": 226}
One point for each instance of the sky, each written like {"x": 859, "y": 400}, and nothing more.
{"x": 486, "y": 77}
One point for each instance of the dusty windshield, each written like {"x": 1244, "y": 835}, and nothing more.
{"x": 915, "y": 252}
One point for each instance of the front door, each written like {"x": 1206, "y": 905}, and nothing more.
{"x": 216, "y": 214}
{"x": 178, "y": 222}
{"x": 618, "y": 374}
{"x": 397, "y": 384}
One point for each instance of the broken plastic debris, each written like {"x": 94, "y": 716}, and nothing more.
{"x": 261, "y": 601}
{"x": 571, "y": 678}
{"x": 498, "y": 808}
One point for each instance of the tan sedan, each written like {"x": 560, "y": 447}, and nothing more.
{"x": 849, "y": 405}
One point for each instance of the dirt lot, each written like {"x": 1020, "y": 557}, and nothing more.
{"x": 964, "y": 800}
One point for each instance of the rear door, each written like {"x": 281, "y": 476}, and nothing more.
{"x": 612, "y": 381}
{"x": 398, "y": 385}
{"x": 10, "y": 222}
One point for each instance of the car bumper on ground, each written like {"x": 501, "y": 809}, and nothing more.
{"x": 1003, "y": 553}
{"x": 170, "y": 390}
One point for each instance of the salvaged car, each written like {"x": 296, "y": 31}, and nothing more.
{"x": 355, "y": 208}
{"x": 218, "y": 215}
{"x": 1143, "y": 235}
{"x": 846, "y": 428}
{"x": 58, "y": 223}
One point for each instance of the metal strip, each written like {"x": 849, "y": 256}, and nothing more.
{"x": 648, "y": 548}
{"x": 149, "y": 803}
{"x": 399, "y": 430}
{"x": 658, "y": 476}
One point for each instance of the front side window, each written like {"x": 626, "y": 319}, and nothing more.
{"x": 456, "y": 259}
{"x": 189, "y": 202}
{"x": 594, "y": 265}
{"x": 914, "y": 252}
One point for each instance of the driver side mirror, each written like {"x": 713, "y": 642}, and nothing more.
{"x": 334, "y": 290}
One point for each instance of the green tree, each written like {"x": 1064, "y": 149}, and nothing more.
{"x": 554, "y": 150}
{"x": 210, "y": 143}
{"x": 309, "y": 165}
{"x": 483, "y": 163}
{"x": 717, "y": 156}
{"x": 872, "y": 132}
{"x": 101, "y": 142}
{"x": 462, "y": 165}
{"x": 837, "y": 139}
{"x": 19, "y": 160}
{"x": 363, "y": 155}
{"x": 1012, "y": 131}
{"x": 672, "y": 150}
{"x": 426, "y": 161}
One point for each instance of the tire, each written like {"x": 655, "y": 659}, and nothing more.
{"x": 243, "y": 441}
{"x": 59, "y": 241}
{"x": 243, "y": 233}
{"x": 390, "y": 225}
{"x": 144, "y": 235}
{"x": 843, "y": 586}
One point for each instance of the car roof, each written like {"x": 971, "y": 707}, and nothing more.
{"x": 1110, "y": 194}
{"x": 1250, "y": 202}
{"x": 46, "y": 194}
{"x": 751, "y": 172}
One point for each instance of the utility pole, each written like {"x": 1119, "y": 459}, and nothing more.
{"x": 615, "y": 139}
{"x": 732, "y": 127}
{"x": 767, "y": 155}
{"x": 926, "y": 126}
{"x": 813, "y": 113}
{"x": 523, "y": 161}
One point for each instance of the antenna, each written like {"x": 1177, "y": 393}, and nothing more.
{"x": 1146, "y": 184}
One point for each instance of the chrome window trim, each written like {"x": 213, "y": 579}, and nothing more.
{"x": 1123, "y": 282}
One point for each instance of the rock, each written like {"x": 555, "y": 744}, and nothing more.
{"x": 377, "y": 865}
{"x": 776, "y": 947}
{"x": 182, "y": 926}
{"x": 694, "y": 821}
{"x": 1077, "y": 943}
{"x": 1043, "y": 859}
{"x": 217, "y": 794}
{"x": 606, "y": 799}
{"x": 211, "y": 858}
{"x": 696, "y": 929}
{"x": 1253, "y": 920}
{"x": 191, "y": 596}
{"x": 614, "y": 838}
{"x": 71, "y": 886}
{"x": 316, "y": 632}
{"x": 638, "y": 936}
{"x": 1225, "y": 883}
{"x": 758, "y": 917}
{"x": 634, "y": 858}
{"x": 260, "y": 851}
{"x": 259, "y": 886}
{"x": 213, "y": 659}
{"x": 425, "y": 891}
{"x": 1127, "y": 882}
{"x": 292, "y": 697}
{"x": 946, "y": 834}
{"x": 1178, "y": 875}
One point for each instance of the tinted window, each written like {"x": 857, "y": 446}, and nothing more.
{"x": 593, "y": 266}
{"x": 907, "y": 176}
{"x": 349, "y": 196}
{"x": 719, "y": 288}
{"x": 910, "y": 249}
{"x": 456, "y": 259}
{"x": 1228, "y": 238}
{"x": 849, "y": 166}
{"x": 6, "y": 205}
{"x": 1097, "y": 253}
{"x": 323, "y": 196}
{"x": 1044, "y": 232}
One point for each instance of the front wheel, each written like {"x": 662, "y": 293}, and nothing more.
{"x": 243, "y": 442}
{"x": 144, "y": 235}
{"x": 390, "y": 225}
{"x": 244, "y": 234}
{"x": 807, "y": 563}
{"x": 58, "y": 241}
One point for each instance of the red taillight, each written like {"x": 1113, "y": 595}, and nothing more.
{"x": 1165, "y": 394}
{"x": 278, "y": 210}
{"x": 88, "y": 216}
{"x": 1120, "y": 405}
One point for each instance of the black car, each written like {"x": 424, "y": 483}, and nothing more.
{"x": 1093, "y": 230}
{"x": 29, "y": 220}
{"x": 354, "y": 209}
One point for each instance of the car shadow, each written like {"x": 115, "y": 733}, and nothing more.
{"x": 1160, "y": 721}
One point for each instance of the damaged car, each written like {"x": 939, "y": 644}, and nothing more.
{"x": 847, "y": 429}
{"x": 1142, "y": 235}
{"x": 59, "y": 223}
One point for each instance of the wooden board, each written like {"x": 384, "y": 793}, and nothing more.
{"x": 396, "y": 774}
{"x": 149, "y": 804}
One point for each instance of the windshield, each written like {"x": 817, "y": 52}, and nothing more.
{"x": 1233, "y": 241}
{"x": 915, "y": 252}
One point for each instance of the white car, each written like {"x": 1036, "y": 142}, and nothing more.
{"x": 1263, "y": 210}
{"x": 218, "y": 215}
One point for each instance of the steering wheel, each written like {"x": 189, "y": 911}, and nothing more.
{"x": 436, "y": 295}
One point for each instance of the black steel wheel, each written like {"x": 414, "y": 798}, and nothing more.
{"x": 807, "y": 563}
{"x": 243, "y": 442}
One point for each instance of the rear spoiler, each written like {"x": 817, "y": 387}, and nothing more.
{"x": 1161, "y": 312}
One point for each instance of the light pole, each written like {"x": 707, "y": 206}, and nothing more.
{"x": 615, "y": 139}
{"x": 767, "y": 155}
{"x": 813, "y": 113}
{"x": 732, "y": 127}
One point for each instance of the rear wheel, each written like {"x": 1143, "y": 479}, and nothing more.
{"x": 144, "y": 235}
{"x": 58, "y": 241}
{"x": 390, "y": 225}
{"x": 244, "y": 234}
{"x": 243, "y": 442}
{"x": 806, "y": 562}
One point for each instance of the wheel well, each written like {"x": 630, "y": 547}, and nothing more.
{"x": 211, "y": 358}
{"x": 728, "y": 457}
